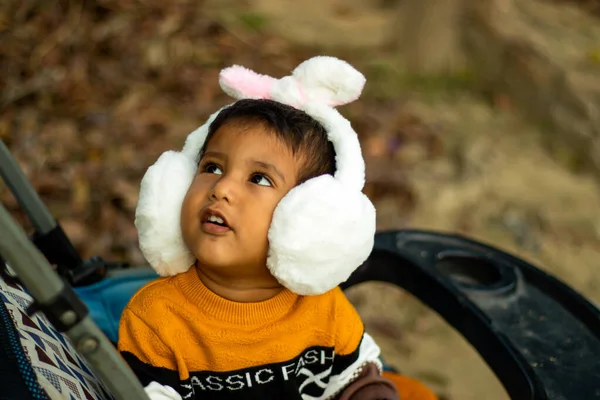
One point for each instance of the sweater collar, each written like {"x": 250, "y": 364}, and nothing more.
{"x": 221, "y": 309}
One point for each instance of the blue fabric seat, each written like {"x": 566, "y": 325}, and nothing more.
{"x": 107, "y": 298}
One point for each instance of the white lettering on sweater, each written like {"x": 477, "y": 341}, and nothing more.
{"x": 312, "y": 367}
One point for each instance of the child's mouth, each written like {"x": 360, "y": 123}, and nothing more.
{"x": 213, "y": 219}
{"x": 214, "y": 224}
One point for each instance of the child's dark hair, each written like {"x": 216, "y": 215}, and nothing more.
{"x": 305, "y": 136}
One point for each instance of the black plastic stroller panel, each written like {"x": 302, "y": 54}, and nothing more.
{"x": 540, "y": 337}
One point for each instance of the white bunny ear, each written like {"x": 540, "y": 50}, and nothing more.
{"x": 243, "y": 83}
{"x": 329, "y": 80}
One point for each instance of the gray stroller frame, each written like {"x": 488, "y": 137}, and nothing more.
{"x": 51, "y": 293}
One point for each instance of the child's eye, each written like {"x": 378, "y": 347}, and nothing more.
{"x": 212, "y": 168}
{"x": 261, "y": 180}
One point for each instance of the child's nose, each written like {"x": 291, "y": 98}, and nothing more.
{"x": 224, "y": 189}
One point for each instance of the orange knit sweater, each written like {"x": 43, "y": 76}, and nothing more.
{"x": 177, "y": 332}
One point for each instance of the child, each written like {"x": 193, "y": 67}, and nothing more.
{"x": 256, "y": 222}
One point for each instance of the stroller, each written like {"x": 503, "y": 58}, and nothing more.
{"x": 540, "y": 337}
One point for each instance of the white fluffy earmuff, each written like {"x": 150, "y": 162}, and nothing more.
{"x": 322, "y": 230}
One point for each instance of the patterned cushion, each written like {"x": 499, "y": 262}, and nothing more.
{"x": 52, "y": 356}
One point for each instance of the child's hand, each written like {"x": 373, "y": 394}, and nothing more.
{"x": 370, "y": 385}
{"x": 156, "y": 391}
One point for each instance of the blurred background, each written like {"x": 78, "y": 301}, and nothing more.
{"x": 479, "y": 117}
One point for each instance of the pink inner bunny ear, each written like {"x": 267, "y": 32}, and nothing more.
{"x": 242, "y": 83}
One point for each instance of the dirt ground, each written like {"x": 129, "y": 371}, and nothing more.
{"x": 85, "y": 109}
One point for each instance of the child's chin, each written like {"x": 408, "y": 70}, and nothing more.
{"x": 215, "y": 260}
{"x": 213, "y": 250}
{"x": 212, "y": 260}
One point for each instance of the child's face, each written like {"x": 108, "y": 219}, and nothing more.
{"x": 243, "y": 174}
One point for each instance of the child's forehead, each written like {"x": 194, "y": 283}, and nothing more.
{"x": 256, "y": 135}
{"x": 255, "y": 141}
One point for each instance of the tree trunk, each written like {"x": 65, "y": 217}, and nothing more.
{"x": 430, "y": 35}
{"x": 517, "y": 49}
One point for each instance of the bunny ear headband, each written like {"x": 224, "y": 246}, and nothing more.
{"x": 322, "y": 230}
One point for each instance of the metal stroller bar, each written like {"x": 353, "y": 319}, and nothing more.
{"x": 65, "y": 310}
{"x": 49, "y": 236}
{"x": 17, "y": 182}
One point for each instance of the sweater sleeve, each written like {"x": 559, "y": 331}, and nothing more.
{"x": 357, "y": 367}
{"x": 144, "y": 351}
{"x": 370, "y": 385}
